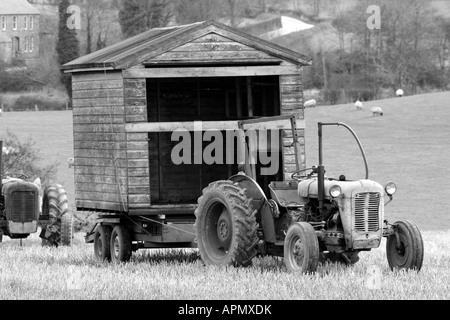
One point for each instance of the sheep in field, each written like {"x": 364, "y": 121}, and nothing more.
{"x": 310, "y": 103}
{"x": 399, "y": 93}
{"x": 358, "y": 105}
{"x": 376, "y": 111}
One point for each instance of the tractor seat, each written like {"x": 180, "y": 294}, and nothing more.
{"x": 285, "y": 193}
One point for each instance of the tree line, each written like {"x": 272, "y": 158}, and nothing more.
{"x": 409, "y": 49}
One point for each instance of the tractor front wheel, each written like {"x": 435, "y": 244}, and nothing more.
{"x": 404, "y": 248}
{"x": 226, "y": 225}
{"x": 102, "y": 240}
{"x": 120, "y": 244}
{"x": 301, "y": 248}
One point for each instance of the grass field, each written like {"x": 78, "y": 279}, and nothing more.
{"x": 408, "y": 145}
{"x": 33, "y": 272}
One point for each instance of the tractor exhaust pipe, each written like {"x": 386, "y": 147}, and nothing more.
{"x": 320, "y": 173}
{"x": 1, "y": 165}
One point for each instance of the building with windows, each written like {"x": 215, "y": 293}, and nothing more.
{"x": 19, "y": 31}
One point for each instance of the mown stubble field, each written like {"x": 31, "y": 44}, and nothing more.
{"x": 409, "y": 145}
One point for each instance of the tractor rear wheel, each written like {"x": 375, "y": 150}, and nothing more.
{"x": 55, "y": 206}
{"x": 406, "y": 252}
{"x": 120, "y": 244}
{"x": 102, "y": 241}
{"x": 226, "y": 225}
{"x": 301, "y": 248}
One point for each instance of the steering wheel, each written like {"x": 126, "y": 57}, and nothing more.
{"x": 17, "y": 175}
{"x": 296, "y": 175}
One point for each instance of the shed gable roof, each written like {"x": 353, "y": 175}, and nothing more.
{"x": 147, "y": 46}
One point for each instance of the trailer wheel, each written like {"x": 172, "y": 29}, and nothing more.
{"x": 226, "y": 225}
{"x": 120, "y": 244}
{"x": 408, "y": 253}
{"x": 55, "y": 206}
{"x": 301, "y": 248}
{"x": 102, "y": 240}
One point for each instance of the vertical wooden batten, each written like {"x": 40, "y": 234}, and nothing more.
{"x": 291, "y": 98}
{"x": 138, "y": 171}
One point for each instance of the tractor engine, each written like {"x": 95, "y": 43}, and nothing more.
{"x": 21, "y": 208}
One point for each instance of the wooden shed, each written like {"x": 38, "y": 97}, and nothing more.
{"x": 203, "y": 71}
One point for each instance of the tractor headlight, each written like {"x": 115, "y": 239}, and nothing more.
{"x": 390, "y": 188}
{"x": 335, "y": 191}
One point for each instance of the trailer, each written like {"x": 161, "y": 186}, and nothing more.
{"x": 129, "y": 98}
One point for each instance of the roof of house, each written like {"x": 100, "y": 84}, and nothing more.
{"x": 154, "y": 42}
{"x": 9, "y": 7}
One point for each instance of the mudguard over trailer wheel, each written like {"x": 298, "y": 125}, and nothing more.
{"x": 406, "y": 252}
{"x": 120, "y": 244}
{"x": 59, "y": 230}
{"x": 102, "y": 242}
{"x": 301, "y": 248}
{"x": 226, "y": 225}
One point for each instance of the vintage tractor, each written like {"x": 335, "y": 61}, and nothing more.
{"x": 24, "y": 208}
{"x": 304, "y": 220}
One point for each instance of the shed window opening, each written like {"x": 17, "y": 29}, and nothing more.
{"x": 25, "y": 23}
{"x": 31, "y": 22}
{"x": 14, "y": 23}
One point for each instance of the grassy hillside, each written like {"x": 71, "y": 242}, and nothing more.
{"x": 408, "y": 145}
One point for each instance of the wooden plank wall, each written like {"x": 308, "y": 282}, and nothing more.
{"x": 99, "y": 141}
{"x": 135, "y": 101}
{"x": 291, "y": 91}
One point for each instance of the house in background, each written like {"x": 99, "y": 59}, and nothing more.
{"x": 19, "y": 31}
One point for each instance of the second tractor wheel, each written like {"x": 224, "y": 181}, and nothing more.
{"x": 55, "y": 206}
{"x": 120, "y": 244}
{"x": 301, "y": 248}
{"x": 102, "y": 241}
{"x": 406, "y": 251}
{"x": 226, "y": 225}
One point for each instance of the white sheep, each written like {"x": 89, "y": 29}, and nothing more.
{"x": 358, "y": 105}
{"x": 310, "y": 103}
{"x": 376, "y": 111}
{"x": 399, "y": 93}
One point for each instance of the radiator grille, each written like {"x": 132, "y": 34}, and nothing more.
{"x": 366, "y": 211}
{"x": 23, "y": 209}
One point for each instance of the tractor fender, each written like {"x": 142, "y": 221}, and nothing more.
{"x": 260, "y": 203}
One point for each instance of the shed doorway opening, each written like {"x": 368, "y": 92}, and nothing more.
{"x": 203, "y": 99}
